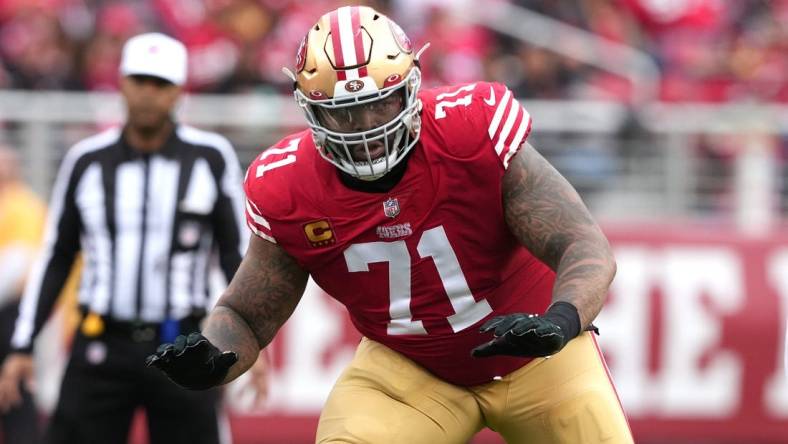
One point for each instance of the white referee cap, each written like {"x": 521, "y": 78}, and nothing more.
{"x": 155, "y": 54}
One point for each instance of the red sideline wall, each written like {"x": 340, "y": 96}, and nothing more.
{"x": 693, "y": 331}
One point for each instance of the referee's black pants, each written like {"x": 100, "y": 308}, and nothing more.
{"x": 106, "y": 381}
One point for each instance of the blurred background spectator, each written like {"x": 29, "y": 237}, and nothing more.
{"x": 707, "y": 50}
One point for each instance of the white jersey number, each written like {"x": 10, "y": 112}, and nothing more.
{"x": 434, "y": 244}
{"x": 291, "y": 147}
{"x": 440, "y": 107}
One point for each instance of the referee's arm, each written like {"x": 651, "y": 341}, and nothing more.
{"x": 52, "y": 267}
{"x": 231, "y": 233}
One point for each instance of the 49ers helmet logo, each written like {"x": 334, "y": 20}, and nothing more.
{"x": 354, "y": 85}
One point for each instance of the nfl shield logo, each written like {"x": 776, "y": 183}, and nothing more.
{"x": 391, "y": 207}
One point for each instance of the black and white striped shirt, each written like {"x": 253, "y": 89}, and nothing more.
{"x": 147, "y": 225}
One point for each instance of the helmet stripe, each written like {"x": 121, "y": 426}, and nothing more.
{"x": 358, "y": 39}
{"x": 336, "y": 44}
{"x": 347, "y": 41}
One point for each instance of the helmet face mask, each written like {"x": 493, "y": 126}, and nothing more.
{"x": 360, "y": 100}
{"x": 370, "y": 153}
{"x": 360, "y": 117}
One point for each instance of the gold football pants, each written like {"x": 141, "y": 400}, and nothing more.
{"x": 383, "y": 397}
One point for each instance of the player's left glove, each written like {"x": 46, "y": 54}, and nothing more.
{"x": 530, "y": 335}
{"x": 192, "y": 362}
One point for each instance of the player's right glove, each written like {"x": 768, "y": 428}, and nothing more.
{"x": 192, "y": 362}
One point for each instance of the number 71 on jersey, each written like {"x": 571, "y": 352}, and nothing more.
{"x": 433, "y": 243}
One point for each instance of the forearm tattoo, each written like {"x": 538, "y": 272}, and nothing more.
{"x": 262, "y": 295}
{"x": 548, "y": 217}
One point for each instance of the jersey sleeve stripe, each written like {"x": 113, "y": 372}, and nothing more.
{"x": 514, "y": 111}
{"x": 260, "y": 233}
{"x": 257, "y": 218}
{"x": 496, "y": 120}
{"x": 254, "y": 207}
{"x": 257, "y": 223}
{"x": 519, "y": 136}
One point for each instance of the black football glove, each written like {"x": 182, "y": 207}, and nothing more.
{"x": 192, "y": 362}
{"x": 530, "y": 335}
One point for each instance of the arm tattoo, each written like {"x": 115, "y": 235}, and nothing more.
{"x": 262, "y": 295}
{"x": 548, "y": 217}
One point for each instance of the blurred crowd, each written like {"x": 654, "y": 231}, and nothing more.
{"x": 707, "y": 50}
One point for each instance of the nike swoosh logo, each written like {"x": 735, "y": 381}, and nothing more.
{"x": 490, "y": 101}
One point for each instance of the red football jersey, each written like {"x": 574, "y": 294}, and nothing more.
{"x": 420, "y": 267}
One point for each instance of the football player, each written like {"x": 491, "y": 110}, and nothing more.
{"x": 469, "y": 264}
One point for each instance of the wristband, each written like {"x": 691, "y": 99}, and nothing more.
{"x": 564, "y": 315}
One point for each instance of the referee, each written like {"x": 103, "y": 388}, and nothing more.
{"x": 148, "y": 204}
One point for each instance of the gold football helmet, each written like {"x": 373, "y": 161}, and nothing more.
{"x": 356, "y": 60}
